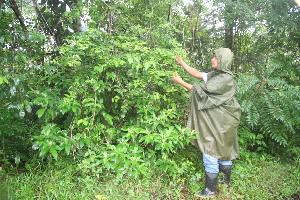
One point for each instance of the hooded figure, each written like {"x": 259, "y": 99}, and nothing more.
{"x": 215, "y": 116}
{"x": 215, "y": 112}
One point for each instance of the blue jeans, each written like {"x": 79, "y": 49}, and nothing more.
{"x": 211, "y": 164}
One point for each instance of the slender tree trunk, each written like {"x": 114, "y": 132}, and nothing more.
{"x": 14, "y": 6}
{"x": 229, "y": 26}
{"x": 228, "y": 37}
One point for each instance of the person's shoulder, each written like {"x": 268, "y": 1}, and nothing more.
{"x": 225, "y": 75}
{"x": 221, "y": 78}
{"x": 212, "y": 74}
{"x": 219, "y": 74}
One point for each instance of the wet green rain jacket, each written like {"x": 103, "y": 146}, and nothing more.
{"x": 215, "y": 112}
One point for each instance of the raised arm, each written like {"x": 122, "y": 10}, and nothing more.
{"x": 192, "y": 71}
{"x": 177, "y": 79}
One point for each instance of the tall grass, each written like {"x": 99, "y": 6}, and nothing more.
{"x": 261, "y": 177}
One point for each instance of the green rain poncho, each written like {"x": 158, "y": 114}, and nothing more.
{"x": 215, "y": 112}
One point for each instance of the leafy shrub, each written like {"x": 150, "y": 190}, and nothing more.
{"x": 271, "y": 111}
{"x": 110, "y": 101}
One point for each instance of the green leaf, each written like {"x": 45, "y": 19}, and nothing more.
{"x": 3, "y": 80}
{"x": 87, "y": 141}
{"x": 50, "y": 112}
{"x": 41, "y": 112}
{"x": 130, "y": 59}
{"x": 108, "y": 118}
{"x": 74, "y": 108}
{"x": 38, "y": 100}
{"x": 81, "y": 143}
{"x": 45, "y": 149}
{"x": 68, "y": 148}
{"x": 53, "y": 152}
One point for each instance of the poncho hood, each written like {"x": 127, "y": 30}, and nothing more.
{"x": 225, "y": 58}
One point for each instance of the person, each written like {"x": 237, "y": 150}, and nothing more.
{"x": 214, "y": 114}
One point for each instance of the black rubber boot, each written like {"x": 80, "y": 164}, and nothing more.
{"x": 226, "y": 172}
{"x": 210, "y": 186}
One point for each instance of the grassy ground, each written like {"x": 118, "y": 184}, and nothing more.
{"x": 257, "y": 178}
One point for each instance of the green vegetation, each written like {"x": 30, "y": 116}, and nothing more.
{"x": 262, "y": 177}
{"x": 88, "y": 109}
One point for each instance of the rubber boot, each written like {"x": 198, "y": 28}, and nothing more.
{"x": 210, "y": 186}
{"x": 226, "y": 172}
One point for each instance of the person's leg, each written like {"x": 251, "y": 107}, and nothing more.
{"x": 211, "y": 164}
{"x": 225, "y": 168}
{"x": 211, "y": 171}
{"x": 225, "y": 162}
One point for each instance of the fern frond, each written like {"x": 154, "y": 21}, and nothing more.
{"x": 277, "y": 83}
{"x": 275, "y": 131}
{"x": 253, "y": 116}
{"x": 246, "y": 105}
{"x": 281, "y": 140}
{"x": 271, "y": 68}
{"x": 245, "y": 83}
{"x": 279, "y": 110}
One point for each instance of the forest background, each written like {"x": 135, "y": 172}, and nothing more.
{"x": 86, "y": 87}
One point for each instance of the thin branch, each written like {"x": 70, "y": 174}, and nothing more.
{"x": 37, "y": 9}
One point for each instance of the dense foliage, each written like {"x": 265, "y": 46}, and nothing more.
{"x": 91, "y": 80}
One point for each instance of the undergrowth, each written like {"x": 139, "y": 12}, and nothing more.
{"x": 262, "y": 177}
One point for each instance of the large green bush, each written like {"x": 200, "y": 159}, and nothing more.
{"x": 109, "y": 101}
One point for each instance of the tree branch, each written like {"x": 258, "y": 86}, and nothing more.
{"x": 14, "y": 6}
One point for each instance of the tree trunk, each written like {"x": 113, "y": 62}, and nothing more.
{"x": 229, "y": 36}
{"x": 229, "y": 26}
{"x": 14, "y": 6}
